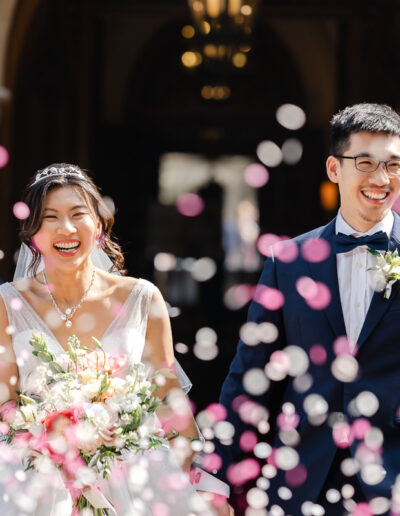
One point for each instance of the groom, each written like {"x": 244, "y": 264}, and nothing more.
{"x": 330, "y": 380}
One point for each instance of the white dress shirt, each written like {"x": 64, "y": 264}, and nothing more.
{"x": 354, "y": 282}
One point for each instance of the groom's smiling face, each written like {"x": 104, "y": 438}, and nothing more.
{"x": 365, "y": 197}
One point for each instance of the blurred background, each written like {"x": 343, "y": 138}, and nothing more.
{"x": 206, "y": 125}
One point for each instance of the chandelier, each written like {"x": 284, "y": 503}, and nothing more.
{"x": 224, "y": 30}
{"x": 213, "y": 16}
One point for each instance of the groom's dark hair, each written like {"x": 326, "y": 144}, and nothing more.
{"x": 373, "y": 118}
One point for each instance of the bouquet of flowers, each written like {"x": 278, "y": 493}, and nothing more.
{"x": 79, "y": 414}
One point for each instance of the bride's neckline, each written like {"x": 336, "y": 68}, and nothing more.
{"x": 106, "y": 332}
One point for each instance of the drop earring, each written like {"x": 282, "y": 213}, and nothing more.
{"x": 100, "y": 241}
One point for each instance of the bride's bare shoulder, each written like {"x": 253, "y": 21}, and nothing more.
{"x": 24, "y": 283}
{"x": 124, "y": 284}
{"x": 29, "y": 286}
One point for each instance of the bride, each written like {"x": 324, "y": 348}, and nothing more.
{"x": 70, "y": 280}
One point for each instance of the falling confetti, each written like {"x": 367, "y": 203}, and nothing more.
{"x": 190, "y": 205}
{"x": 270, "y": 298}
{"x": 315, "y": 250}
{"x": 203, "y": 269}
{"x": 256, "y": 175}
{"x": 291, "y": 116}
{"x": 21, "y": 210}
{"x": 266, "y": 242}
{"x": 292, "y": 151}
{"x": 4, "y": 156}
{"x": 269, "y": 153}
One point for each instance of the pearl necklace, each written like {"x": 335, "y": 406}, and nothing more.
{"x": 70, "y": 311}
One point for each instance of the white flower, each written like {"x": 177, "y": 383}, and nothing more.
{"x": 87, "y": 376}
{"x": 64, "y": 361}
{"x": 133, "y": 436}
{"x": 113, "y": 404}
{"x": 36, "y": 428}
{"x": 91, "y": 389}
{"x": 77, "y": 396}
{"x": 149, "y": 426}
{"x": 87, "y": 436}
{"x": 125, "y": 418}
{"x": 86, "y": 476}
{"x": 29, "y": 412}
{"x": 386, "y": 271}
{"x": 98, "y": 413}
{"x": 130, "y": 402}
{"x": 119, "y": 385}
{"x": 19, "y": 420}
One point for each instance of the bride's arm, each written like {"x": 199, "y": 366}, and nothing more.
{"x": 160, "y": 348}
{"x": 8, "y": 363}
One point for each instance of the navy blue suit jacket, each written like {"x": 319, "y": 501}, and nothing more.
{"x": 378, "y": 356}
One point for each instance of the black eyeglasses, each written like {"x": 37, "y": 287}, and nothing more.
{"x": 367, "y": 164}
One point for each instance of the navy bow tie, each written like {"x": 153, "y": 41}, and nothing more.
{"x": 344, "y": 243}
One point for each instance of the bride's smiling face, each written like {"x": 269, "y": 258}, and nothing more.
{"x": 68, "y": 230}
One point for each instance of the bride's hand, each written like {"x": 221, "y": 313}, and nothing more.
{"x": 224, "y": 510}
{"x": 220, "y": 510}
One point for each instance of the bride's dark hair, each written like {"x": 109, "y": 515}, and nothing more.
{"x": 35, "y": 195}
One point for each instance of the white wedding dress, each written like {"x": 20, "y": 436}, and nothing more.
{"x": 146, "y": 484}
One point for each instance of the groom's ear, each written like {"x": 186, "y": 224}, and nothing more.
{"x": 332, "y": 169}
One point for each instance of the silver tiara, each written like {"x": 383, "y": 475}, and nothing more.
{"x": 62, "y": 171}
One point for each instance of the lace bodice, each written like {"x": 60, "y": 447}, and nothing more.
{"x": 126, "y": 333}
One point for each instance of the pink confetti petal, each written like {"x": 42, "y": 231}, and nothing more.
{"x": 286, "y": 251}
{"x": 322, "y": 297}
{"x": 256, "y": 175}
{"x": 318, "y": 354}
{"x": 247, "y": 441}
{"x": 306, "y": 287}
{"x": 265, "y": 243}
{"x": 362, "y": 509}
{"x": 190, "y": 205}
{"x": 240, "y": 473}
{"x": 296, "y": 476}
{"x": 343, "y": 435}
{"x": 360, "y": 428}
{"x": 16, "y": 304}
{"x": 249, "y": 411}
{"x": 341, "y": 346}
{"x": 270, "y": 298}
{"x": 4, "y": 156}
{"x": 281, "y": 361}
{"x": 288, "y": 421}
{"x": 216, "y": 412}
{"x": 212, "y": 462}
{"x": 315, "y": 250}
{"x": 21, "y": 210}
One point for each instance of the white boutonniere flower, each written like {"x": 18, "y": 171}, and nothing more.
{"x": 387, "y": 270}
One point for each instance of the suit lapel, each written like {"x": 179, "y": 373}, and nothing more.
{"x": 326, "y": 272}
{"x": 379, "y": 304}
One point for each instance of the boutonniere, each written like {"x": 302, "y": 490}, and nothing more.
{"x": 387, "y": 270}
